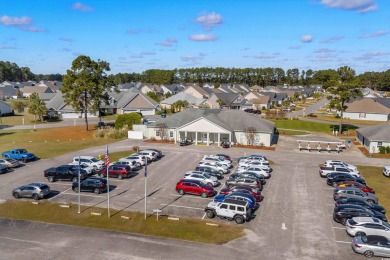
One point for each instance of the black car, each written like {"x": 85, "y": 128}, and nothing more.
{"x": 259, "y": 177}
{"x": 225, "y": 144}
{"x": 210, "y": 171}
{"x": 360, "y": 202}
{"x": 65, "y": 172}
{"x": 344, "y": 212}
{"x": 96, "y": 185}
{"x": 184, "y": 142}
{"x": 333, "y": 178}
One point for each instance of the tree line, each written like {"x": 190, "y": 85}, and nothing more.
{"x": 217, "y": 76}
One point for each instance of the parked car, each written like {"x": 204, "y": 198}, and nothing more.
{"x": 260, "y": 177}
{"x": 33, "y": 190}
{"x": 252, "y": 204}
{"x": 151, "y": 155}
{"x": 229, "y": 209}
{"x": 159, "y": 152}
{"x": 89, "y": 160}
{"x": 355, "y": 184}
{"x": 324, "y": 171}
{"x": 344, "y": 212}
{"x": 386, "y": 171}
{"x": 253, "y": 157}
{"x": 363, "y": 226}
{"x": 19, "y": 154}
{"x": 371, "y": 246}
{"x": 216, "y": 165}
{"x": 243, "y": 188}
{"x": 249, "y": 181}
{"x": 221, "y": 160}
{"x": 96, "y": 185}
{"x": 124, "y": 162}
{"x": 139, "y": 159}
{"x": 116, "y": 171}
{"x": 64, "y": 172}
{"x": 195, "y": 187}
{"x": 211, "y": 171}
{"x": 9, "y": 162}
{"x": 257, "y": 170}
{"x": 185, "y": 142}
{"x": 3, "y": 169}
{"x": 361, "y": 202}
{"x": 352, "y": 192}
{"x": 245, "y": 167}
{"x": 203, "y": 177}
{"x": 335, "y": 177}
{"x": 225, "y": 144}
{"x": 225, "y": 156}
{"x": 89, "y": 169}
{"x": 330, "y": 163}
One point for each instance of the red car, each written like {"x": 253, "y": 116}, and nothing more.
{"x": 247, "y": 189}
{"x": 194, "y": 187}
{"x": 116, "y": 171}
{"x": 355, "y": 184}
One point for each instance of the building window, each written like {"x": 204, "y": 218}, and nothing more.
{"x": 157, "y": 133}
{"x": 362, "y": 115}
{"x": 171, "y": 134}
{"x": 379, "y": 144}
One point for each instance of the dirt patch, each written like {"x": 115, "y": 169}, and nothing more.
{"x": 159, "y": 141}
{"x": 73, "y": 132}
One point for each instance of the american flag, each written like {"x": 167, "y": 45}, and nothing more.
{"x": 107, "y": 157}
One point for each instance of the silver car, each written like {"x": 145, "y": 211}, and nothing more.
{"x": 362, "y": 226}
{"x": 33, "y": 190}
{"x": 371, "y": 246}
{"x": 352, "y": 192}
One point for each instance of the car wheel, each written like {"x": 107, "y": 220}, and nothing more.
{"x": 239, "y": 219}
{"x": 16, "y": 195}
{"x": 368, "y": 254}
{"x": 204, "y": 195}
{"x": 120, "y": 177}
{"x": 35, "y": 196}
{"x": 76, "y": 190}
{"x": 138, "y": 164}
{"x": 51, "y": 179}
{"x": 181, "y": 192}
{"x": 24, "y": 160}
{"x": 101, "y": 175}
{"x": 97, "y": 191}
{"x": 370, "y": 201}
{"x": 343, "y": 221}
{"x": 74, "y": 179}
{"x": 360, "y": 234}
{"x": 210, "y": 213}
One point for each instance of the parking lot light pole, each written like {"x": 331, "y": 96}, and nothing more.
{"x": 79, "y": 187}
{"x": 146, "y": 175}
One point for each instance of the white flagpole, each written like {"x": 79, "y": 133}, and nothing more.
{"x": 146, "y": 175}
{"x": 79, "y": 184}
{"x": 108, "y": 184}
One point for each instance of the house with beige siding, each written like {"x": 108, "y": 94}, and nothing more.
{"x": 375, "y": 109}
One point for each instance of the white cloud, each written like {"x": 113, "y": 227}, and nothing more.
{"x": 65, "y": 39}
{"x": 324, "y": 50}
{"x": 82, "y": 7}
{"x": 307, "y": 38}
{"x": 32, "y": 29}
{"x": 375, "y": 34}
{"x": 360, "y": 6}
{"x": 371, "y": 55}
{"x": 209, "y": 20}
{"x": 168, "y": 42}
{"x": 15, "y": 21}
{"x": 332, "y": 39}
{"x": 4, "y": 47}
{"x": 265, "y": 56}
{"x": 203, "y": 37}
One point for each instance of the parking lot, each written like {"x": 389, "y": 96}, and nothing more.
{"x": 293, "y": 221}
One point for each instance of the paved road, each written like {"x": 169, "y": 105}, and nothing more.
{"x": 310, "y": 109}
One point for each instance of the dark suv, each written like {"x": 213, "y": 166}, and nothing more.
{"x": 96, "y": 185}
{"x": 194, "y": 187}
{"x": 361, "y": 202}
{"x": 334, "y": 179}
{"x": 210, "y": 171}
{"x": 344, "y": 212}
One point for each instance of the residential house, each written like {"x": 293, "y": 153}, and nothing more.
{"x": 226, "y": 100}
{"x": 136, "y": 101}
{"x": 127, "y": 86}
{"x": 53, "y": 85}
{"x": 373, "y": 137}
{"x": 8, "y": 92}
{"x": 197, "y": 91}
{"x": 46, "y": 97}
{"x": 376, "y": 109}
{"x": 5, "y": 109}
{"x": 258, "y": 100}
{"x": 150, "y": 87}
{"x": 192, "y": 101}
{"x": 276, "y": 98}
{"x": 172, "y": 89}
{"x": 28, "y": 91}
{"x": 110, "y": 108}
{"x": 211, "y": 126}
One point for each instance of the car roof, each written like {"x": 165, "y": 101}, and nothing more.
{"x": 361, "y": 220}
{"x": 349, "y": 188}
{"x": 237, "y": 202}
{"x": 349, "y": 206}
{"x": 374, "y": 238}
{"x": 36, "y": 184}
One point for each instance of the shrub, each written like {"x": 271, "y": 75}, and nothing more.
{"x": 382, "y": 150}
{"x": 135, "y": 148}
{"x": 387, "y": 149}
{"x": 127, "y": 119}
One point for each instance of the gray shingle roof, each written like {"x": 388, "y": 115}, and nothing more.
{"x": 131, "y": 94}
{"x": 376, "y": 132}
{"x": 232, "y": 120}
{"x": 183, "y": 96}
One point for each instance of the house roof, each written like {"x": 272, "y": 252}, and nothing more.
{"x": 201, "y": 90}
{"x": 367, "y": 105}
{"x": 183, "y": 96}
{"x": 131, "y": 94}
{"x": 43, "y": 89}
{"x": 7, "y": 90}
{"x": 229, "y": 98}
{"x": 46, "y": 96}
{"x": 376, "y": 132}
{"x": 229, "y": 119}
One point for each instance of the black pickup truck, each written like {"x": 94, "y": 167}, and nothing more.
{"x": 64, "y": 172}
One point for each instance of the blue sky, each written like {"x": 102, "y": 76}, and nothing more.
{"x": 136, "y": 35}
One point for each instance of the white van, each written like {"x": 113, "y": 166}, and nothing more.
{"x": 386, "y": 171}
{"x": 90, "y": 161}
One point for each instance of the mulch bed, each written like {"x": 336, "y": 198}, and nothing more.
{"x": 159, "y": 141}
{"x": 255, "y": 147}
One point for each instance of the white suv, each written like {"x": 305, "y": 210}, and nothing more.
{"x": 365, "y": 226}
{"x": 90, "y": 161}
{"x": 139, "y": 159}
{"x": 230, "y": 209}
{"x": 386, "y": 171}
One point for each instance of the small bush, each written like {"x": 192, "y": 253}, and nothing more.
{"x": 382, "y": 150}
{"x": 135, "y": 148}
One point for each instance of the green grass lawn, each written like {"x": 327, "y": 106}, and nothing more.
{"x": 184, "y": 229}
{"x": 47, "y": 143}
{"x": 375, "y": 179}
{"x": 303, "y": 126}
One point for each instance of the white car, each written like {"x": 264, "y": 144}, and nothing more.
{"x": 330, "y": 163}
{"x": 139, "y": 159}
{"x": 253, "y": 158}
{"x": 216, "y": 165}
{"x": 89, "y": 169}
{"x": 244, "y": 168}
{"x": 215, "y": 160}
{"x": 203, "y": 177}
{"x": 130, "y": 163}
{"x": 254, "y": 162}
{"x": 258, "y": 170}
{"x": 89, "y": 160}
{"x": 152, "y": 155}
{"x": 219, "y": 158}
{"x": 386, "y": 171}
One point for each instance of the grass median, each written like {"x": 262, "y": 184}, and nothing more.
{"x": 184, "y": 229}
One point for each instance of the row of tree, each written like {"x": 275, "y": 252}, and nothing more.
{"x": 251, "y": 76}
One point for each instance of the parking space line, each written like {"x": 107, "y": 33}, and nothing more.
{"x": 88, "y": 195}
{"x": 329, "y": 204}
{"x": 339, "y": 227}
{"x": 204, "y": 215}
{"x": 192, "y": 197}
{"x": 177, "y": 206}
{"x": 344, "y": 242}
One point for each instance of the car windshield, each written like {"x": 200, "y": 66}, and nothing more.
{"x": 22, "y": 151}
{"x": 387, "y": 225}
{"x": 94, "y": 160}
{"x": 206, "y": 175}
